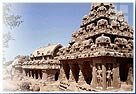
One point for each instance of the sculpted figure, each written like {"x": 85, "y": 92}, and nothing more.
{"x": 121, "y": 42}
{"x": 109, "y": 76}
{"x": 101, "y": 10}
{"x": 87, "y": 42}
{"x": 102, "y": 23}
{"x": 75, "y": 46}
{"x": 99, "y": 75}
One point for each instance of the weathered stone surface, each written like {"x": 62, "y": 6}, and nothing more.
{"x": 96, "y": 58}
{"x": 105, "y": 37}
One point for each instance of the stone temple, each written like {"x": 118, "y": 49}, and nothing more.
{"x": 100, "y": 52}
{"x": 98, "y": 57}
{"x": 43, "y": 64}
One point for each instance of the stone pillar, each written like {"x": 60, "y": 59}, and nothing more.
{"x": 34, "y": 74}
{"x": 94, "y": 82}
{"x": 71, "y": 78}
{"x": 104, "y": 76}
{"x": 44, "y": 75}
{"x": 116, "y": 77}
{"x": 27, "y": 72}
{"x": 24, "y": 73}
{"x": 39, "y": 74}
{"x": 31, "y": 74}
{"x": 130, "y": 75}
{"x": 81, "y": 80}
{"x": 50, "y": 75}
{"x": 81, "y": 77}
{"x": 62, "y": 75}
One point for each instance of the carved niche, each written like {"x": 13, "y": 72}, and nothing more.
{"x": 102, "y": 23}
{"x": 101, "y": 11}
{"x": 121, "y": 43}
{"x": 103, "y": 41}
{"x": 115, "y": 24}
{"x": 99, "y": 75}
{"x": 87, "y": 43}
{"x": 109, "y": 74}
{"x": 76, "y": 46}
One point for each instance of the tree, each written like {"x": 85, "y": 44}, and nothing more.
{"x": 10, "y": 20}
{"x": 6, "y": 38}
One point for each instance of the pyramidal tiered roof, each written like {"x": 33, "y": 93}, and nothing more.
{"x": 103, "y": 32}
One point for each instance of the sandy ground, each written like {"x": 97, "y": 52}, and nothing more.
{"x": 13, "y": 85}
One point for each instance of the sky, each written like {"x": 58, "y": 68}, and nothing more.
{"x": 52, "y": 23}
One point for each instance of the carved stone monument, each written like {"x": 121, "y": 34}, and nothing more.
{"x": 98, "y": 57}
{"x": 101, "y": 50}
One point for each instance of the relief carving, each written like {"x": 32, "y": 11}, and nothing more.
{"x": 109, "y": 76}
{"x": 102, "y": 23}
{"x": 99, "y": 75}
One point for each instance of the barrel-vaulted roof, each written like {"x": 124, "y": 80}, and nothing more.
{"x": 46, "y": 50}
